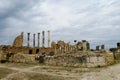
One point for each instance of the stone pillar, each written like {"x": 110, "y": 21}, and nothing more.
{"x": 102, "y": 47}
{"x": 28, "y": 40}
{"x": 65, "y": 48}
{"x": 88, "y": 46}
{"x": 48, "y": 38}
{"x": 118, "y": 45}
{"x": 38, "y": 39}
{"x": 43, "y": 38}
{"x": 97, "y": 47}
{"x": 84, "y": 43}
{"x": 33, "y": 40}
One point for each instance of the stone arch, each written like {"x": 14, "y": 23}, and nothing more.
{"x": 61, "y": 45}
{"x": 18, "y": 42}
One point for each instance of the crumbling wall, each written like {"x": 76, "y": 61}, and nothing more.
{"x": 80, "y": 60}
{"x": 109, "y": 59}
{"x": 94, "y": 61}
{"x": 18, "y": 42}
{"x": 23, "y": 58}
{"x": 2, "y": 56}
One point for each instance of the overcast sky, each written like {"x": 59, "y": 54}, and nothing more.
{"x": 97, "y": 21}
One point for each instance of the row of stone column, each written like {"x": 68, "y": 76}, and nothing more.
{"x": 38, "y": 39}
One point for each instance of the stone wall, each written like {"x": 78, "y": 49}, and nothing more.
{"x": 18, "y": 42}
{"x": 93, "y": 61}
{"x": 109, "y": 59}
{"x": 2, "y": 56}
{"x": 23, "y": 58}
{"x": 80, "y": 60}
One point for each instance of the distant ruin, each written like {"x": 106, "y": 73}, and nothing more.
{"x": 57, "y": 53}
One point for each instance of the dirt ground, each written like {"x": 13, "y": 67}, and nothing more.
{"x": 21, "y": 71}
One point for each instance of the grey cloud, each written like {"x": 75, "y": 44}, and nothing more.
{"x": 96, "y": 21}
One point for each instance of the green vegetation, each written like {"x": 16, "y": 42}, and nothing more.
{"x": 58, "y": 68}
{"x": 4, "y": 72}
{"x": 43, "y": 77}
{"x": 20, "y": 65}
{"x": 67, "y": 68}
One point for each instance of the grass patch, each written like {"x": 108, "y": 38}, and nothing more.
{"x": 45, "y": 68}
{"x": 58, "y": 68}
{"x": 43, "y": 77}
{"x": 4, "y": 72}
{"x": 20, "y": 65}
{"x": 67, "y": 68}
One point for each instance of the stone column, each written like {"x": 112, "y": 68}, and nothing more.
{"x": 43, "y": 38}
{"x": 118, "y": 45}
{"x": 33, "y": 40}
{"x": 84, "y": 44}
{"x": 102, "y": 47}
{"x": 88, "y": 46}
{"x": 38, "y": 39}
{"x": 48, "y": 38}
{"x": 97, "y": 47}
{"x": 28, "y": 40}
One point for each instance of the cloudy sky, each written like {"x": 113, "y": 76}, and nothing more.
{"x": 97, "y": 21}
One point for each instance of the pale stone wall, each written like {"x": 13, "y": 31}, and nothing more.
{"x": 109, "y": 59}
{"x": 18, "y": 42}
{"x": 96, "y": 61}
{"x": 2, "y": 55}
{"x": 23, "y": 58}
{"x": 80, "y": 61}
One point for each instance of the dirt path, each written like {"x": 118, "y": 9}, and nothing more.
{"x": 109, "y": 73}
{"x": 33, "y": 69}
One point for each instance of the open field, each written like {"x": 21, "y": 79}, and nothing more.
{"x": 19, "y": 71}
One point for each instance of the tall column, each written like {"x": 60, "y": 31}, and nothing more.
{"x": 28, "y": 40}
{"x": 33, "y": 40}
{"x": 48, "y": 38}
{"x": 38, "y": 39}
{"x": 43, "y": 38}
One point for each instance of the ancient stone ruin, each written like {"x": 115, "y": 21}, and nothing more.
{"x": 18, "y": 42}
{"x": 58, "y": 53}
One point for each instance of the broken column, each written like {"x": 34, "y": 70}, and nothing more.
{"x": 33, "y": 40}
{"x": 85, "y": 45}
{"x": 118, "y": 45}
{"x": 102, "y": 47}
{"x": 28, "y": 40}
{"x": 88, "y": 46}
{"x": 38, "y": 39}
{"x": 43, "y": 38}
{"x": 97, "y": 47}
{"x": 75, "y": 46}
{"x": 48, "y": 38}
